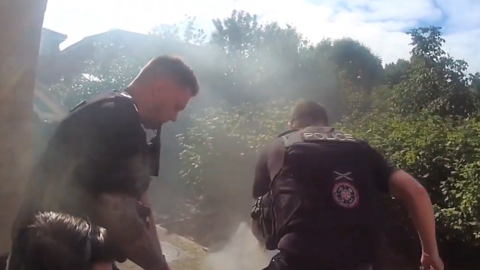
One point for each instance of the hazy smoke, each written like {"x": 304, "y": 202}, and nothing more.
{"x": 241, "y": 253}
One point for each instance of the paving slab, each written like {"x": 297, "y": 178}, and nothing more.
{"x": 180, "y": 252}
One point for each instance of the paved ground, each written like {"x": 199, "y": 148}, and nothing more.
{"x": 181, "y": 253}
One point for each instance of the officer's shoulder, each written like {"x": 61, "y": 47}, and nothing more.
{"x": 112, "y": 102}
{"x": 274, "y": 145}
{"x": 110, "y": 110}
{"x": 365, "y": 145}
{"x": 118, "y": 103}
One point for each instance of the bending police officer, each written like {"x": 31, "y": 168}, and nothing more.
{"x": 98, "y": 163}
{"x": 315, "y": 198}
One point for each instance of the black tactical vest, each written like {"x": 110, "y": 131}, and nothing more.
{"x": 152, "y": 149}
{"x": 324, "y": 184}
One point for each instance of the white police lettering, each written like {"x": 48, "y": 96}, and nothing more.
{"x": 319, "y": 136}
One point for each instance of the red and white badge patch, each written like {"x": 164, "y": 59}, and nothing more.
{"x": 345, "y": 195}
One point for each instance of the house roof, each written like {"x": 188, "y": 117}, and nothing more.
{"x": 53, "y": 34}
{"x": 71, "y": 60}
{"x": 116, "y": 35}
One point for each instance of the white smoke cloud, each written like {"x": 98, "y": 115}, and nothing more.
{"x": 242, "y": 252}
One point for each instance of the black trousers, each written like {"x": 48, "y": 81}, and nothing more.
{"x": 114, "y": 266}
{"x": 3, "y": 260}
{"x": 282, "y": 261}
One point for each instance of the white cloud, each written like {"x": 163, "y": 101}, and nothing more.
{"x": 379, "y": 24}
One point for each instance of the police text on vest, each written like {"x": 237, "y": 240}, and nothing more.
{"x": 328, "y": 136}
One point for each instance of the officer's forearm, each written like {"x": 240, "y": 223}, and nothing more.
{"x": 153, "y": 231}
{"x": 151, "y": 221}
{"x": 148, "y": 256}
{"x": 258, "y": 235}
{"x": 417, "y": 200}
{"x": 423, "y": 217}
{"x": 118, "y": 214}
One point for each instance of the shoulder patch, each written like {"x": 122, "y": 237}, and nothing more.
{"x": 345, "y": 195}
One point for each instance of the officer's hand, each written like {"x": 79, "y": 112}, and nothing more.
{"x": 431, "y": 262}
{"x": 163, "y": 267}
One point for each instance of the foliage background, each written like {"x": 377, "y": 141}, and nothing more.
{"x": 420, "y": 112}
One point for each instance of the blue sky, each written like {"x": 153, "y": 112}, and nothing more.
{"x": 380, "y": 24}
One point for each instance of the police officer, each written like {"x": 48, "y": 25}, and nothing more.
{"x": 98, "y": 163}
{"x": 315, "y": 198}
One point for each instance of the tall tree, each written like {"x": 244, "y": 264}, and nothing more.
{"x": 435, "y": 82}
{"x": 361, "y": 68}
{"x": 236, "y": 37}
{"x": 186, "y": 32}
{"x": 395, "y": 72}
{"x": 261, "y": 61}
{"x": 474, "y": 83}
{"x": 20, "y": 28}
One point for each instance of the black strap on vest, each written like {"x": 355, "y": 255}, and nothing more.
{"x": 154, "y": 146}
{"x": 103, "y": 97}
{"x": 292, "y": 139}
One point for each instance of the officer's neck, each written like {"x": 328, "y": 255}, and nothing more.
{"x": 140, "y": 99}
{"x": 302, "y": 126}
{"x": 137, "y": 95}
{"x": 131, "y": 90}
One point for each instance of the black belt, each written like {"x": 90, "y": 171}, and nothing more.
{"x": 293, "y": 262}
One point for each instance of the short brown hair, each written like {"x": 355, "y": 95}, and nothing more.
{"x": 307, "y": 113}
{"x": 172, "y": 67}
{"x": 59, "y": 241}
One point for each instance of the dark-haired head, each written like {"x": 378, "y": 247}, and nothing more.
{"x": 308, "y": 113}
{"x": 55, "y": 241}
{"x": 162, "y": 89}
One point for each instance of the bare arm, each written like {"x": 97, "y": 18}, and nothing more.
{"x": 413, "y": 194}
{"x": 403, "y": 186}
{"x": 118, "y": 214}
{"x": 257, "y": 233}
{"x": 261, "y": 184}
{"x": 145, "y": 200}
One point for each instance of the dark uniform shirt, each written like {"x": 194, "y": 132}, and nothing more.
{"x": 315, "y": 247}
{"x": 97, "y": 149}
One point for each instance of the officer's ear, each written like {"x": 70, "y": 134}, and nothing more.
{"x": 290, "y": 125}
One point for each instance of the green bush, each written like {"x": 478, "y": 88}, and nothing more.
{"x": 443, "y": 154}
{"x": 221, "y": 145}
